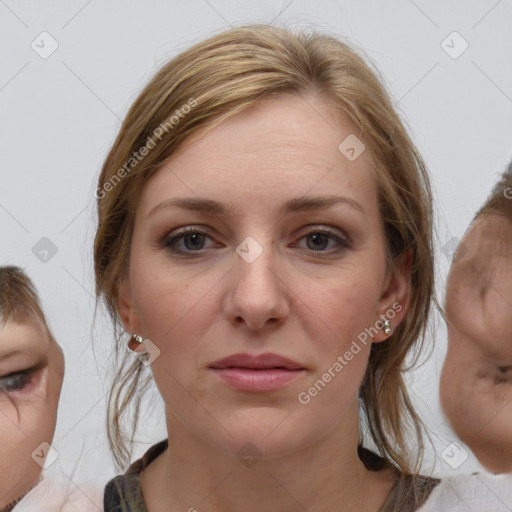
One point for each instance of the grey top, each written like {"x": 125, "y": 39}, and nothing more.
{"x": 124, "y": 494}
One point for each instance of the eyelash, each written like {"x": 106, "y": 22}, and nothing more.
{"x": 21, "y": 380}
{"x": 171, "y": 242}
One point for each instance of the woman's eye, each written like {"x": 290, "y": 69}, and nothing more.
{"x": 188, "y": 240}
{"x": 192, "y": 240}
{"x": 14, "y": 382}
{"x": 319, "y": 239}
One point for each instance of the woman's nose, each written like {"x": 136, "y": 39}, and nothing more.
{"x": 257, "y": 294}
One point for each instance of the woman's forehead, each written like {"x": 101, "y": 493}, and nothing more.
{"x": 268, "y": 156}
{"x": 285, "y": 123}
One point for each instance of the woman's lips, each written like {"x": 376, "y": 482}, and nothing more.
{"x": 262, "y": 372}
{"x": 250, "y": 379}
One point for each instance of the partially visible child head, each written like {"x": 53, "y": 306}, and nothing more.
{"x": 476, "y": 382}
{"x": 31, "y": 374}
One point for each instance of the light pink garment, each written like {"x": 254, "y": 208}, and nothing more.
{"x": 52, "y": 495}
{"x": 481, "y": 492}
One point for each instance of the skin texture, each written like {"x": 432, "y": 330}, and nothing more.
{"x": 476, "y": 381}
{"x": 27, "y": 415}
{"x": 302, "y": 298}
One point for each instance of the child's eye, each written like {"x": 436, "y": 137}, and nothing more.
{"x": 17, "y": 381}
{"x": 14, "y": 382}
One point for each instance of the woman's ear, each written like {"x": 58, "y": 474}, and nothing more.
{"x": 124, "y": 302}
{"x": 394, "y": 301}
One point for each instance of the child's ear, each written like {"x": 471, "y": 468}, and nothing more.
{"x": 396, "y": 293}
{"x": 124, "y": 302}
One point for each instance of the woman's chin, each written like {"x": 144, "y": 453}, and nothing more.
{"x": 257, "y": 439}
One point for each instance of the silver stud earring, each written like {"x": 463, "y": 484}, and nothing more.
{"x": 387, "y": 327}
{"x": 134, "y": 342}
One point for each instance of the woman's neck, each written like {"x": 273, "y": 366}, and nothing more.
{"x": 325, "y": 476}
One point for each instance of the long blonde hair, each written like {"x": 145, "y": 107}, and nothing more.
{"x": 218, "y": 78}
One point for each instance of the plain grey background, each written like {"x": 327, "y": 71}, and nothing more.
{"x": 61, "y": 111}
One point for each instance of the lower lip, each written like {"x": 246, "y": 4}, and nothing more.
{"x": 246, "y": 379}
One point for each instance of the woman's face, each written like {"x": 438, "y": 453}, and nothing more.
{"x": 269, "y": 270}
{"x": 31, "y": 372}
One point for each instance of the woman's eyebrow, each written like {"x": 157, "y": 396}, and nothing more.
{"x": 316, "y": 202}
{"x": 291, "y": 206}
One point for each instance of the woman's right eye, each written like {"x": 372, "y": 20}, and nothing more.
{"x": 14, "y": 382}
{"x": 193, "y": 241}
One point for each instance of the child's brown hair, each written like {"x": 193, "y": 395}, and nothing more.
{"x": 19, "y": 300}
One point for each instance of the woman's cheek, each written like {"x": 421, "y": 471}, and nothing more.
{"x": 347, "y": 305}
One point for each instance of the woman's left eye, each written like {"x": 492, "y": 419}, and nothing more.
{"x": 321, "y": 237}
{"x": 14, "y": 382}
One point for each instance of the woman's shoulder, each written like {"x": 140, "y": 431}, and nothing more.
{"x": 409, "y": 491}
{"x": 478, "y": 492}
{"x": 123, "y": 492}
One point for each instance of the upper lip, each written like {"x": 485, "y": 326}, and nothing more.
{"x": 259, "y": 362}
